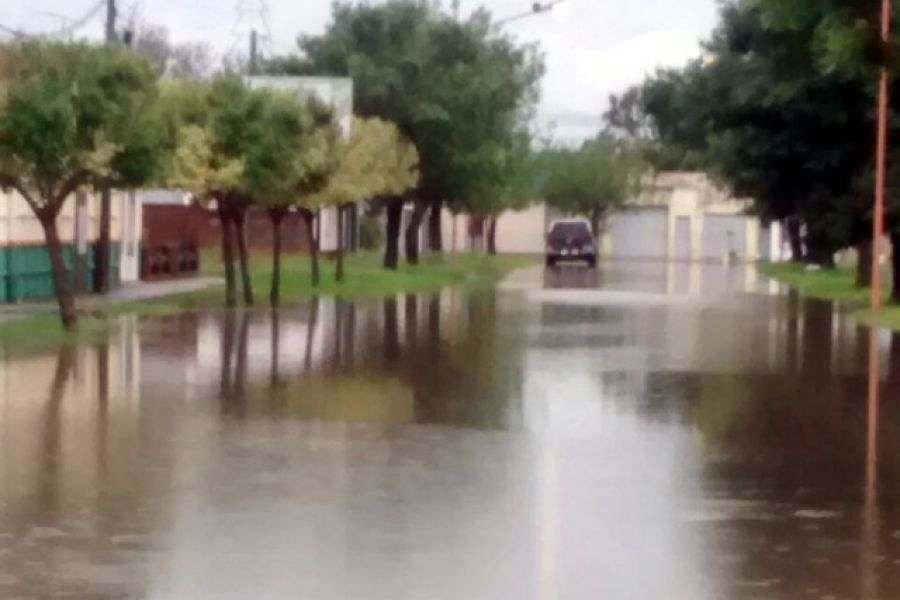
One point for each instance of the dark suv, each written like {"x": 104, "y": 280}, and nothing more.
{"x": 571, "y": 240}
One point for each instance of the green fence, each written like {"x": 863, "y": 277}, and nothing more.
{"x": 25, "y": 271}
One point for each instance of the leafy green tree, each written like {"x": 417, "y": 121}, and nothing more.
{"x": 509, "y": 185}
{"x": 450, "y": 86}
{"x": 758, "y": 114}
{"x": 67, "y": 120}
{"x": 375, "y": 161}
{"x": 292, "y": 152}
{"x": 223, "y": 134}
{"x": 590, "y": 181}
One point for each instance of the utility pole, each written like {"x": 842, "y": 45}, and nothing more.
{"x": 104, "y": 243}
{"x": 254, "y": 52}
{"x": 881, "y": 161}
{"x": 111, "y": 15}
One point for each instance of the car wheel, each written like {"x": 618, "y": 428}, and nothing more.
{"x": 592, "y": 262}
{"x": 550, "y": 261}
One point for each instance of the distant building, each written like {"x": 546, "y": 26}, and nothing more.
{"x": 686, "y": 217}
{"x": 678, "y": 216}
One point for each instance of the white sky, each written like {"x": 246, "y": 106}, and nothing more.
{"x": 600, "y": 47}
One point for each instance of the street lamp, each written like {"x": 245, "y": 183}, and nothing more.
{"x": 536, "y": 9}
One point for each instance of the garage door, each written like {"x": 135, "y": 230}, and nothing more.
{"x": 724, "y": 234}
{"x": 640, "y": 234}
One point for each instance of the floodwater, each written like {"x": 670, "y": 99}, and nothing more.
{"x": 644, "y": 431}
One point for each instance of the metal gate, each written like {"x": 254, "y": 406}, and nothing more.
{"x": 724, "y": 236}
{"x": 641, "y": 233}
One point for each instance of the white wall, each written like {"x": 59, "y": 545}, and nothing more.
{"x": 522, "y": 232}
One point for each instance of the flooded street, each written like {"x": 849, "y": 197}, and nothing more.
{"x": 641, "y": 431}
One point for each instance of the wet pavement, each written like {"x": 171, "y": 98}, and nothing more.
{"x": 642, "y": 431}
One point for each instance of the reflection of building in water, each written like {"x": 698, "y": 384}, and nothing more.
{"x": 74, "y": 443}
{"x": 68, "y": 420}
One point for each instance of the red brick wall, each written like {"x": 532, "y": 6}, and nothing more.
{"x": 165, "y": 224}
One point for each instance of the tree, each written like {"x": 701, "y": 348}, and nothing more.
{"x": 510, "y": 184}
{"x": 191, "y": 60}
{"x": 447, "y": 84}
{"x": 375, "y": 161}
{"x": 223, "y": 134}
{"x": 292, "y": 164}
{"x": 760, "y": 116}
{"x": 591, "y": 180}
{"x": 67, "y": 121}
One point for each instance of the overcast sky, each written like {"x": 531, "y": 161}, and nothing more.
{"x": 593, "y": 49}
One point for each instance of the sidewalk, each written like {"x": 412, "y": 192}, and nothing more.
{"x": 131, "y": 292}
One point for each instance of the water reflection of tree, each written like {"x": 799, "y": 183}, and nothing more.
{"x": 47, "y": 497}
{"x": 475, "y": 377}
{"x": 233, "y": 381}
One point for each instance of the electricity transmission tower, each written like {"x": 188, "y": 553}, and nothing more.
{"x": 251, "y": 27}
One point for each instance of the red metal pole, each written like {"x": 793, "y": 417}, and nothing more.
{"x": 880, "y": 163}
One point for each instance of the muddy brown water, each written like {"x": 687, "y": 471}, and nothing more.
{"x": 642, "y": 431}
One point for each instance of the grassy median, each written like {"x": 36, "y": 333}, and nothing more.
{"x": 836, "y": 285}
{"x": 364, "y": 277}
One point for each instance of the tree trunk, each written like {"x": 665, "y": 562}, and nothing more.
{"x": 492, "y": 235}
{"x": 104, "y": 243}
{"x": 241, "y": 233}
{"x": 339, "y": 263}
{"x": 595, "y": 225}
{"x": 309, "y": 218}
{"x": 228, "y": 257}
{"x": 792, "y": 228}
{"x": 277, "y": 216}
{"x": 864, "y": 264}
{"x": 895, "y": 265}
{"x": 435, "y": 233}
{"x": 412, "y": 232}
{"x": 61, "y": 284}
{"x": 819, "y": 251}
{"x": 392, "y": 238}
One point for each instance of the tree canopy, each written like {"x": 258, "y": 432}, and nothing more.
{"x": 591, "y": 180}
{"x": 73, "y": 115}
{"x": 457, "y": 90}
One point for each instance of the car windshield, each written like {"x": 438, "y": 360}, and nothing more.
{"x": 570, "y": 230}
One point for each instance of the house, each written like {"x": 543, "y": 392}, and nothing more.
{"x": 685, "y": 216}
{"x": 677, "y": 216}
{"x": 25, "y": 262}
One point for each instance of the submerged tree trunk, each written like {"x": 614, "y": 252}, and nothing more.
{"x": 241, "y": 234}
{"x": 61, "y": 284}
{"x": 435, "y": 233}
{"x": 864, "y": 264}
{"x": 311, "y": 332}
{"x": 339, "y": 263}
{"x": 277, "y": 216}
{"x": 412, "y": 232}
{"x": 309, "y": 218}
{"x": 792, "y": 228}
{"x": 492, "y": 235}
{"x": 228, "y": 256}
{"x": 895, "y": 265}
{"x": 392, "y": 237}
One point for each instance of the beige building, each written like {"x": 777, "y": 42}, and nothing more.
{"x": 678, "y": 216}
{"x": 24, "y": 261}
